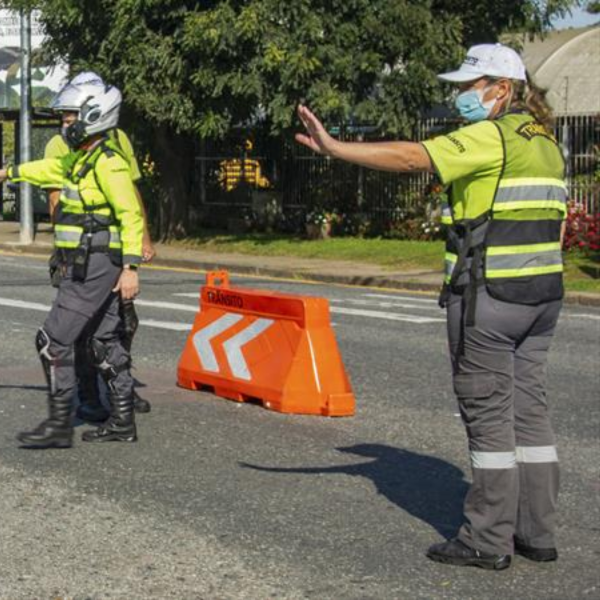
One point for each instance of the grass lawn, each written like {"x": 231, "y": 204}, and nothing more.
{"x": 395, "y": 254}
{"x": 582, "y": 273}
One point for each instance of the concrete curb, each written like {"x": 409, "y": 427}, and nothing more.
{"x": 577, "y": 298}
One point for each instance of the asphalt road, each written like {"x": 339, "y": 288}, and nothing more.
{"x": 220, "y": 500}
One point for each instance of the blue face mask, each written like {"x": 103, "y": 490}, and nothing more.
{"x": 471, "y": 107}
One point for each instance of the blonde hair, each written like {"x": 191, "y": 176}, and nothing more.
{"x": 528, "y": 96}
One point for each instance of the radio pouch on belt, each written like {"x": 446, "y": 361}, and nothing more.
{"x": 81, "y": 257}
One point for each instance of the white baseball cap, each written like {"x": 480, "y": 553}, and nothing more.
{"x": 493, "y": 60}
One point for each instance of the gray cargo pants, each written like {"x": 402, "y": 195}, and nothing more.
{"x": 93, "y": 307}
{"x": 499, "y": 370}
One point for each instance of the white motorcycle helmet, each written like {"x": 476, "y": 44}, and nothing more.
{"x": 96, "y": 103}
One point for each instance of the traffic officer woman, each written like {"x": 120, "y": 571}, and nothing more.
{"x": 90, "y": 407}
{"x": 98, "y": 229}
{"x": 502, "y": 294}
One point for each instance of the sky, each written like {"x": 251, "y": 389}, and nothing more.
{"x": 579, "y": 18}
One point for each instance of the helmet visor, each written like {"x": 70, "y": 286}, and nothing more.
{"x": 71, "y": 98}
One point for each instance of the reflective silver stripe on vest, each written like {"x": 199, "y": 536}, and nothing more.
{"x": 534, "y": 193}
{"x": 446, "y": 216}
{"x": 536, "y": 454}
{"x": 101, "y": 238}
{"x": 71, "y": 194}
{"x": 523, "y": 261}
{"x": 493, "y": 460}
{"x": 449, "y": 263}
{"x": 62, "y": 235}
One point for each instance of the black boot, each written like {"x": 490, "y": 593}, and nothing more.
{"x": 54, "y": 432}
{"x": 454, "y": 552}
{"x": 535, "y": 554}
{"x": 90, "y": 409}
{"x": 140, "y": 404}
{"x": 120, "y": 426}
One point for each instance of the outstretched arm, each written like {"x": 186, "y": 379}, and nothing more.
{"x": 384, "y": 156}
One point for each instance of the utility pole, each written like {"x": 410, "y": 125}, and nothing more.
{"x": 26, "y": 230}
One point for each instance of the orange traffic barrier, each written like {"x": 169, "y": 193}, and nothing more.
{"x": 276, "y": 348}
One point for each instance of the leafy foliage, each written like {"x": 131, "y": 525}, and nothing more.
{"x": 582, "y": 231}
{"x": 193, "y": 70}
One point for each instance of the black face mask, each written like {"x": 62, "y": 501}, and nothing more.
{"x": 75, "y": 134}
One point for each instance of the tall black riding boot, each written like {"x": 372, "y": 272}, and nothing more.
{"x": 141, "y": 405}
{"x": 90, "y": 407}
{"x": 120, "y": 426}
{"x": 54, "y": 432}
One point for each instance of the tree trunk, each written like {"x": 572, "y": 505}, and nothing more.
{"x": 174, "y": 156}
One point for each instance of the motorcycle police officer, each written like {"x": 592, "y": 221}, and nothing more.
{"x": 98, "y": 229}
{"x": 502, "y": 293}
{"x": 90, "y": 407}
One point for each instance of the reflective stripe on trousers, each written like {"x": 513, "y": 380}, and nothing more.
{"x": 500, "y": 384}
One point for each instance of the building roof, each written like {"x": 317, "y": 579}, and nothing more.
{"x": 567, "y": 64}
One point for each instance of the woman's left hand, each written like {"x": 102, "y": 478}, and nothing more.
{"x": 128, "y": 284}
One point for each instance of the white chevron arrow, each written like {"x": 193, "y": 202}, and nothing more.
{"x": 203, "y": 337}
{"x": 233, "y": 347}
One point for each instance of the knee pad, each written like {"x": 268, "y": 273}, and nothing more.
{"x": 101, "y": 351}
{"x": 42, "y": 344}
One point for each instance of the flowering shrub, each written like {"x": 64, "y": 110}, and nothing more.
{"x": 436, "y": 193}
{"x": 421, "y": 221}
{"x": 320, "y": 216}
{"x": 352, "y": 224}
{"x": 582, "y": 230}
{"x": 414, "y": 228}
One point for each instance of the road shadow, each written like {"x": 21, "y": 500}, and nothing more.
{"x": 15, "y": 386}
{"x": 426, "y": 487}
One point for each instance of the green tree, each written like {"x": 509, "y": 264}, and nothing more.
{"x": 192, "y": 70}
{"x": 593, "y": 7}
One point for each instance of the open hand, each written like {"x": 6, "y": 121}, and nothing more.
{"x": 128, "y": 284}
{"x": 317, "y": 139}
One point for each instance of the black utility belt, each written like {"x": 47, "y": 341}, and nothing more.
{"x": 69, "y": 253}
{"x": 459, "y": 290}
{"x": 66, "y": 256}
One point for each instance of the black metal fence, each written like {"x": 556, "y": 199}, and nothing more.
{"x": 232, "y": 185}
{"x": 248, "y": 174}
{"x": 579, "y": 136}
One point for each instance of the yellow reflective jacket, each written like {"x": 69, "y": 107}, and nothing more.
{"x": 96, "y": 187}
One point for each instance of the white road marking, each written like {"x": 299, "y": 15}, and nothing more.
{"x": 402, "y": 298}
{"x": 381, "y": 304}
{"x": 20, "y": 264}
{"x": 172, "y": 305}
{"x": 166, "y": 325}
{"x": 374, "y": 314}
{"x": 22, "y": 304}
{"x": 46, "y": 307}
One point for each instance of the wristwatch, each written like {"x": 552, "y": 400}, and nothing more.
{"x": 131, "y": 267}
